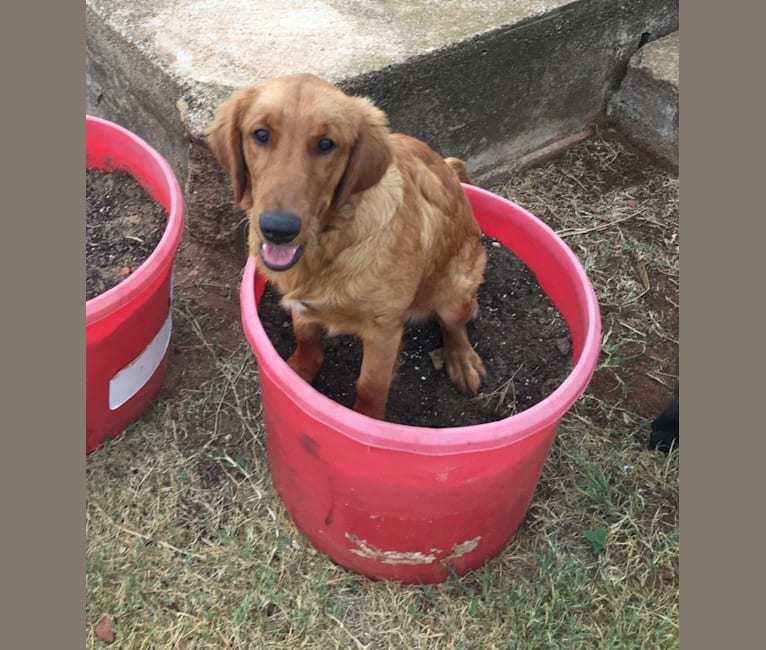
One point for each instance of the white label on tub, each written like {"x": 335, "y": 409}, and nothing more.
{"x": 128, "y": 381}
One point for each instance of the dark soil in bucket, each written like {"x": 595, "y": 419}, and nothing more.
{"x": 123, "y": 226}
{"x": 520, "y": 335}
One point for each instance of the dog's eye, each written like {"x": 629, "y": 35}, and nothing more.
{"x": 325, "y": 145}
{"x": 261, "y": 136}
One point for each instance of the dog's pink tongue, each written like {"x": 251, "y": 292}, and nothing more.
{"x": 279, "y": 255}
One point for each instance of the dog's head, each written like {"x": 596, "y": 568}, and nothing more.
{"x": 296, "y": 148}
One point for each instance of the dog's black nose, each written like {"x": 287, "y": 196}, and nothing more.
{"x": 279, "y": 227}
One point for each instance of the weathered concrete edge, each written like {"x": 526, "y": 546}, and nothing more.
{"x": 123, "y": 86}
{"x": 524, "y": 98}
{"x": 645, "y": 106}
{"x": 523, "y": 88}
{"x": 650, "y": 118}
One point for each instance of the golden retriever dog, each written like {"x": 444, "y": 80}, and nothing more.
{"x": 359, "y": 229}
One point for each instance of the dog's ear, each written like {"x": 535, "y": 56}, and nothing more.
{"x": 224, "y": 138}
{"x": 370, "y": 153}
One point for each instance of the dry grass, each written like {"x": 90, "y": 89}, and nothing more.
{"x": 188, "y": 545}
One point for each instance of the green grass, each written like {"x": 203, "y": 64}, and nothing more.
{"x": 189, "y": 546}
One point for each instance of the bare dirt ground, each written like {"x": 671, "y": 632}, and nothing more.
{"x": 619, "y": 212}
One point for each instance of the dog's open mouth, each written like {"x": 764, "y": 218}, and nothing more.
{"x": 280, "y": 258}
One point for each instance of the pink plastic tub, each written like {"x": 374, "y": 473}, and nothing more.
{"x": 410, "y": 503}
{"x": 127, "y": 328}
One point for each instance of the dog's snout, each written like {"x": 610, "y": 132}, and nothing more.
{"x": 279, "y": 227}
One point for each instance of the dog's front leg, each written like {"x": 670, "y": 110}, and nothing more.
{"x": 381, "y": 351}
{"x": 309, "y": 354}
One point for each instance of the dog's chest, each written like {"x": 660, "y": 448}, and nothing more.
{"x": 336, "y": 319}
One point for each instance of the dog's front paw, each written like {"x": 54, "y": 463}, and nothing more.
{"x": 305, "y": 365}
{"x": 465, "y": 368}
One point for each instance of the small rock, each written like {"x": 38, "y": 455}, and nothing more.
{"x": 437, "y": 358}
{"x": 104, "y": 630}
{"x": 563, "y": 345}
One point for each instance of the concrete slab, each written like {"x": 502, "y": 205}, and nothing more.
{"x": 493, "y": 82}
{"x": 645, "y": 106}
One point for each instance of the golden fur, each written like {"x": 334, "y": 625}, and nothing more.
{"x": 386, "y": 233}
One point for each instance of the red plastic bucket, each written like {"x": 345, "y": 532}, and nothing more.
{"x": 410, "y": 503}
{"x": 127, "y": 328}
